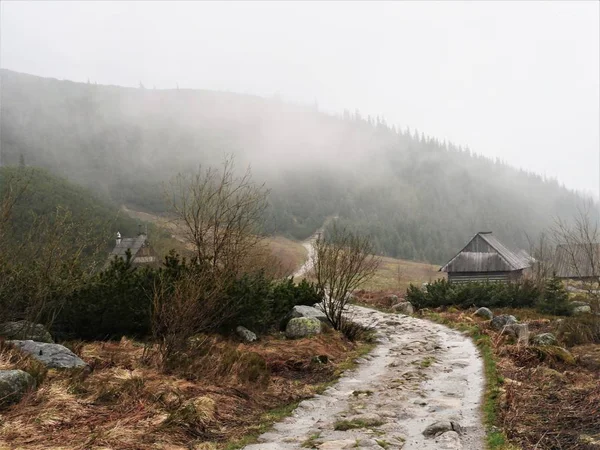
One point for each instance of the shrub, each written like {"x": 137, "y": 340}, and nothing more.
{"x": 356, "y": 332}
{"x": 580, "y": 330}
{"x": 113, "y": 303}
{"x": 261, "y": 304}
{"x": 555, "y": 299}
{"x": 465, "y": 295}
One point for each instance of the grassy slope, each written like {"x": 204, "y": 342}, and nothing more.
{"x": 398, "y": 274}
{"x": 291, "y": 254}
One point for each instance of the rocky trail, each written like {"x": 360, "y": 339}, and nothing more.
{"x": 419, "y": 389}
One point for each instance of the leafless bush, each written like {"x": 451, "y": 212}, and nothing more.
{"x": 342, "y": 261}
{"x": 578, "y": 251}
{"x": 221, "y": 214}
{"x": 181, "y": 308}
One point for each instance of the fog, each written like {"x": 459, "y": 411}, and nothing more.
{"x": 513, "y": 80}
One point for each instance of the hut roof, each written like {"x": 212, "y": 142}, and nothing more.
{"x": 485, "y": 253}
{"x": 577, "y": 260}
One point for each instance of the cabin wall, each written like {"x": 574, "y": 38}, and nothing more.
{"x": 481, "y": 277}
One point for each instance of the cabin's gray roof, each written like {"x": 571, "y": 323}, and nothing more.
{"x": 502, "y": 259}
{"x": 133, "y": 244}
{"x": 577, "y": 260}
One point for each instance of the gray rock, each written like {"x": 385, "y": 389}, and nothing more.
{"x": 404, "y": 308}
{"x": 501, "y": 321}
{"x": 450, "y": 440}
{"x": 443, "y": 426}
{"x": 24, "y": 329}
{"x": 519, "y": 331}
{"x": 245, "y": 334}
{"x": 544, "y": 339}
{"x": 53, "y": 356}
{"x": 301, "y": 327}
{"x": 485, "y": 312}
{"x": 13, "y": 385}
{"x": 308, "y": 311}
{"x": 582, "y": 310}
{"x": 577, "y": 303}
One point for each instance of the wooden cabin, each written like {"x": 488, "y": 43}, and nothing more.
{"x": 580, "y": 262}
{"x": 485, "y": 258}
{"x": 141, "y": 251}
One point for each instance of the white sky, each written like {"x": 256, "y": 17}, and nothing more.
{"x": 514, "y": 80}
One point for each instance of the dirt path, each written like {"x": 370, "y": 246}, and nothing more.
{"x": 420, "y": 373}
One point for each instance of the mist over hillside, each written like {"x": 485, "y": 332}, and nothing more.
{"x": 418, "y": 197}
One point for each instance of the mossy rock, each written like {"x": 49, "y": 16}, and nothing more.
{"x": 302, "y": 327}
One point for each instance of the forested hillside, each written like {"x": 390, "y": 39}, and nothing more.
{"x": 45, "y": 199}
{"x": 418, "y": 197}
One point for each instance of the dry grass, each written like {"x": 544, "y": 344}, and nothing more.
{"x": 398, "y": 274}
{"x": 549, "y": 396}
{"x": 126, "y": 403}
{"x": 290, "y": 255}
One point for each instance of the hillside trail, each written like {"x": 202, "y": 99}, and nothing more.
{"x": 310, "y": 249}
{"x": 419, "y": 373}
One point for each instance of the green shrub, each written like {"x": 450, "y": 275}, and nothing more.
{"x": 555, "y": 299}
{"x": 465, "y": 295}
{"x": 118, "y": 301}
{"x": 261, "y": 304}
{"x": 114, "y": 303}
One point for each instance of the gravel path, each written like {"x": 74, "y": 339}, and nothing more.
{"x": 420, "y": 373}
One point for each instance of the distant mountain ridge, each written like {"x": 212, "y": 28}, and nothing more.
{"x": 418, "y": 197}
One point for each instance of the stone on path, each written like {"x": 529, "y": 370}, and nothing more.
{"x": 437, "y": 428}
{"x": 404, "y": 308}
{"x": 449, "y": 440}
{"x": 53, "y": 356}
{"x": 338, "y": 445}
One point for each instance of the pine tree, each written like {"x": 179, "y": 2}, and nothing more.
{"x": 555, "y": 299}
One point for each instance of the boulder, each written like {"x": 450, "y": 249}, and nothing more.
{"x": 314, "y": 312}
{"x": 53, "y": 356}
{"x": 245, "y": 334}
{"x": 518, "y": 330}
{"x": 301, "y": 327}
{"x": 13, "y": 385}
{"x": 501, "y": 321}
{"x": 544, "y": 339}
{"x": 577, "y": 303}
{"x": 390, "y": 299}
{"x": 582, "y": 310}
{"x": 24, "y": 329}
{"x": 484, "y": 312}
{"x": 403, "y": 308}
{"x": 308, "y": 311}
{"x": 450, "y": 440}
{"x": 443, "y": 426}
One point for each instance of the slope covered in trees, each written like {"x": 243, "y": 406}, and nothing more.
{"x": 46, "y": 199}
{"x": 418, "y": 197}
